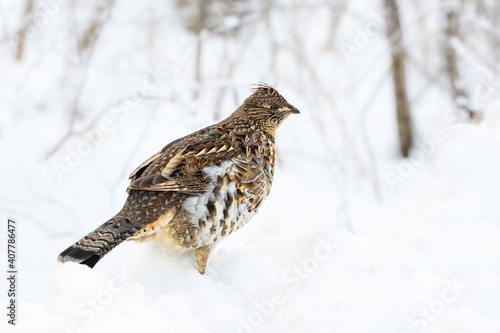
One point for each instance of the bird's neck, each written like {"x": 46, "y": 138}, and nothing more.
{"x": 244, "y": 126}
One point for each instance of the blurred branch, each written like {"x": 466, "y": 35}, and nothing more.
{"x": 458, "y": 93}
{"x": 403, "y": 115}
{"x": 86, "y": 47}
{"x": 334, "y": 163}
{"x": 94, "y": 121}
{"x": 337, "y": 10}
{"x": 372, "y": 163}
{"x": 198, "y": 28}
{"x": 274, "y": 46}
{"x": 28, "y": 12}
{"x": 91, "y": 34}
{"x": 227, "y": 72}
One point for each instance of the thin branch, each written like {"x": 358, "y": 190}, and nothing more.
{"x": 28, "y": 12}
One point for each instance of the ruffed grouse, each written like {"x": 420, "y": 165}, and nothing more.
{"x": 198, "y": 189}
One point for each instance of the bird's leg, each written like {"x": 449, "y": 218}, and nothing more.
{"x": 202, "y": 254}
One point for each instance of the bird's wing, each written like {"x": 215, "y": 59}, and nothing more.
{"x": 183, "y": 171}
{"x": 141, "y": 168}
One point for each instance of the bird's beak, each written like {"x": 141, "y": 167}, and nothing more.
{"x": 294, "y": 111}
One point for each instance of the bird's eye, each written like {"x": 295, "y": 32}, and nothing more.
{"x": 274, "y": 107}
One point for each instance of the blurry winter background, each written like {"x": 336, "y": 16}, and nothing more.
{"x": 384, "y": 213}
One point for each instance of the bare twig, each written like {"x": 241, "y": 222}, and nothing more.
{"x": 227, "y": 72}
{"x": 91, "y": 34}
{"x": 22, "y": 33}
{"x": 372, "y": 163}
{"x": 86, "y": 47}
{"x": 198, "y": 28}
{"x": 337, "y": 10}
{"x": 459, "y": 94}
{"x": 399, "y": 76}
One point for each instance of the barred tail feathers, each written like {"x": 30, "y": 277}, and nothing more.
{"x": 91, "y": 248}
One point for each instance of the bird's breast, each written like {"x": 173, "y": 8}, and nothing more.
{"x": 229, "y": 202}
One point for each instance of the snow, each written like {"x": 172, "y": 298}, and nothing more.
{"x": 352, "y": 238}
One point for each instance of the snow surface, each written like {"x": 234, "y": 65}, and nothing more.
{"x": 351, "y": 239}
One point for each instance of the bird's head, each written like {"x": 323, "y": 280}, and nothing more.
{"x": 266, "y": 108}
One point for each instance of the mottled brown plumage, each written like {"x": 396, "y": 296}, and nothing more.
{"x": 198, "y": 189}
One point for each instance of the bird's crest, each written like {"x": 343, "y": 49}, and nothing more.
{"x": 264, "y": 88}
{"x": 264, "y": 94}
